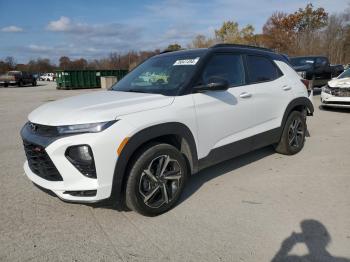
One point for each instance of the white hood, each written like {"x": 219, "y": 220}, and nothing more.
{"x": 96, "y": 107}
{"x": 340, "y": 82}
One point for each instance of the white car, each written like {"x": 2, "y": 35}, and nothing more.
{"x": 337, "y": 92}
{"x": 47, "y": 77}
{"x": 138, "y": 143}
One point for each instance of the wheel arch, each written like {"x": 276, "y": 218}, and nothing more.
{"x": 174, "y": 133}
{"x": 298, "y": 104}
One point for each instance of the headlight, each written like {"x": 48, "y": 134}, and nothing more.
{"x": 84, "y": 128}
{"x": 326, "y": 89}
{"x": 302, "y": 74}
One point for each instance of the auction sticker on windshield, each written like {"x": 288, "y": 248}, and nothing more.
{"x": 186, "y": 61}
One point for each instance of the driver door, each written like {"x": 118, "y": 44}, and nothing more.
{"x": 224, "y": 116}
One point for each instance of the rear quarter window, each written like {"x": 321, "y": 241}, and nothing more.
{"x": 261, "y": 69}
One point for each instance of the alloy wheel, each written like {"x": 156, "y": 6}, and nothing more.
{"x": 160, "y": 181}
{"x": 296, "y": 133}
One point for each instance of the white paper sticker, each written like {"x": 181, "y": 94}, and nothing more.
{"x": 186, "y": 61}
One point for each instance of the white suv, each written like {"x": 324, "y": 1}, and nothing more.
{"x": 138, "y": 143}
{"x": 47, "y": 77}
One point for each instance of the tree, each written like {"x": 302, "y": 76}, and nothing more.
{"x": 310, "y": 19}
{"x": 279, "y": 32}
{"x": 11, "y": 63}
{"x": 296, "y": 33}
{"x": 64, "y": 62}
{"x": 227, "y": 32}
{"x": 79, "y": 64}
{"x": 200, "y": 41}
{"x": 173, "y": 47}
{"x": 230, "y": 32}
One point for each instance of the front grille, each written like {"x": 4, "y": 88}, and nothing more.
{"x": 341, "y": 92}
{"x": 40, "y": 163}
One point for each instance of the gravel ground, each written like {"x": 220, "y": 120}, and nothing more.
{"x": 254, "y": 208}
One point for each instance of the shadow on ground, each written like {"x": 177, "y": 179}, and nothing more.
{"x": 315, "y": 237}
{"x": 196, "y": 181}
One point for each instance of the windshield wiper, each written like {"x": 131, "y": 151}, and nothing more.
{"x": 135, "y": 91}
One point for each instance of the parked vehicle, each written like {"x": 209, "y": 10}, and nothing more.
{"x": 17, "y": 78}
{"x": 337, "y": 70}
{"x": 139, "y": 142}
{"x": 337, "y": 92}
{"x": 316, "y": 69}
{"x": 48, "y": 77}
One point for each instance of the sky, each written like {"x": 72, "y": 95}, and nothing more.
{"x": 93, "y": 29}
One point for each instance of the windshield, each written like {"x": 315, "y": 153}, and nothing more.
{"x": 160, "y": 75}
{"x": 345, "y": 74}
{"x": 301, "y": 61}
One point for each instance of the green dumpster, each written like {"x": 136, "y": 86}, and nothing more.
{"x": 75, "y": 79}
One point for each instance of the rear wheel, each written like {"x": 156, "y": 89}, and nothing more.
{"x": 156, "y": 180}
{"x": 293, "y": 136}
{"x": 34, "y": 83}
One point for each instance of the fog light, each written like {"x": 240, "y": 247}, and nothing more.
{"x": 82, "y": 159}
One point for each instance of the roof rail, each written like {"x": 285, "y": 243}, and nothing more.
{"x": 242, "y": 46}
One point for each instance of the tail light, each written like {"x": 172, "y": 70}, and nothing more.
{"x": 307, "y": 86}
{"x": 306, "y": 83}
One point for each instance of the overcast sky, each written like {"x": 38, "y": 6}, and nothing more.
{"x": 92, "y": 29}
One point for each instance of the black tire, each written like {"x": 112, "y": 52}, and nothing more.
{"x": 20, "y": 83}
{"x": 293, "y": 135}
{"x": 34, "y": 83}
{"x": 148, "y": 192}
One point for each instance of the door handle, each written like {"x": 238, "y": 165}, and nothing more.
{"x": 286, "y": 88}
{"x": 245, "y": 95}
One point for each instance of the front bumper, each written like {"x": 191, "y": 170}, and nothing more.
{"x": 104, "y": 146}
{"x": 329, "y": 100}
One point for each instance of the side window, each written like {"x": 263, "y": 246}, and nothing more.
{"x": 261, "y": 69}
{"x": 321, "y": 61}
{"x": 225, "y": 66}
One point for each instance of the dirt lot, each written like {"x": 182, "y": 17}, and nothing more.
{"x": 245, "y": 209}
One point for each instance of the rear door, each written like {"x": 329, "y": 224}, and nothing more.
{"x": 272, "y": 91}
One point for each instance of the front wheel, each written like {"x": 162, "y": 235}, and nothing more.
{"x": 293, "y": 135}
{"x": 156, "y": 179}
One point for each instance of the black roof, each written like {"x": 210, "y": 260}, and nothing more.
{"x": 228, "y": 47}
{"x": 243, "y": 46}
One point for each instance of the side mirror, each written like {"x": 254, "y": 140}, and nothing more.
{"x": 214, "y": 84}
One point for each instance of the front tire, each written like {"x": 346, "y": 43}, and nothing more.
{"x": 293, "y": 135}
{"x": 156, "y": 180}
